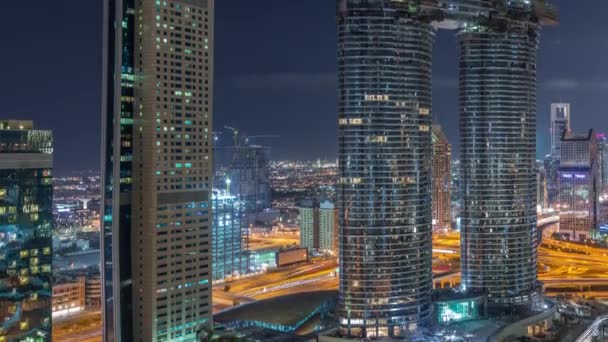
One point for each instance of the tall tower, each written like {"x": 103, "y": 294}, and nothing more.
{"x": 230, "y": 239}
{"x": 560, "y": 123}
{"x": 498, "y": 139}
{"x": 579, "y": 183}
{"x": 158, "y": 82}
{"x": 602, "y": 150}
{"x": 116, "y": 165}
{"x": 26, "y": 223}
{"x": 384, "y": 154}
{"x": 442, "y": 181}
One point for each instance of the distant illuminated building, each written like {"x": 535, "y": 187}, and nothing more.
{"x": 309, "y": 220}
{"x": 603, "y": 189}
{"x": 318, "y": 226}
{"x": 229, "y": 236}
{"x": 560, "y": 123}
{"x": 579, "y": 181}
{"x": 602, "y": 147}
{"x": 442, "y": 192}
{"x": 551, "y": 166}
{"x": 248, "y": 169}
{"x": 456, "y": 193}
{"x": 541, "y": 185}
{"x": 26, "y": 232}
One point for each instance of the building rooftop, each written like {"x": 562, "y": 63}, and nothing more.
{"x": 291, "y": 311}
{"x": 15, "y": 125}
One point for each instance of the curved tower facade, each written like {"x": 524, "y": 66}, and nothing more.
{"x": 498, "y": 142}
{"x": 498, "y": 42}
{"x": 384, "y": 60}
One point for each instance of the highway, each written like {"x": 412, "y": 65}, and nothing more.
{"x": 588, "y": 335}
{"x": 561, "y": 264}
{"x": 273, "y": 241}
{"x": 83, "y": 327}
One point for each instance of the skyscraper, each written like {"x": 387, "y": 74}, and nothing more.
{"x": 384, "y": 153}
{"x": 551, "y": 165}
{"x": 498, "y": 141}
{"x": 229, "y": 236}
{"x": 602, "y": 148}
{"x": 560, "y": 123}
{"x": 309, "y": 225}
{"x": 456, "y": 180}
{"x": 157, "y": 169}
{"x": 318, "y": 226}
{"x": 442, "y": 191}
{"x": 384, "y": 157}
{"x": 247, "y": 169}
{"x": 541, "y": 185}
{"x": 578, "y": 185}
{"x": 26, "y": 232}
{"x": 117, "y": 164}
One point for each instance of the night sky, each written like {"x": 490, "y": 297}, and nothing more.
{"x": 275, "y": 73}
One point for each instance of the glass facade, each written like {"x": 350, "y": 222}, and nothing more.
{"x": 119, "y": 26}
{"x": 459, "y": 310}
{"x": 229, "y": 236}
{"x": 442, "y": 191}
{"x": 247, "y": 169}
{"x": 551, "y": 168}
{"x": 602, "y": 147}
{"x": 384, "y": 151}
{"x": 579, "y": 183}
{"x": 498, "y": 142}
{"x": 26, "y": 232}
{"x": 560, "y": 124}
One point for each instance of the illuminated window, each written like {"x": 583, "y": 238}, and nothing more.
{"x": 376, "y": 97}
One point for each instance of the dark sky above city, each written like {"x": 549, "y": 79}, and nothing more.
{"x": 275, "y": 73}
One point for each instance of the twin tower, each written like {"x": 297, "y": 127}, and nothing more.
{"x": 384, "y": 60}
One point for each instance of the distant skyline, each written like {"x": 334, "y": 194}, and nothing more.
{"x": 275, "y": 74}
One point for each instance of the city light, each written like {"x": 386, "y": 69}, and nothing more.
{"x": 369, "y": 170}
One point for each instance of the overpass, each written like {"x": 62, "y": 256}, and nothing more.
{"x": 543, "y": 222}
{"x": 595, "y": 330}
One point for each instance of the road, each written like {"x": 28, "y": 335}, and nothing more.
{"x": 560, "y": 264}
{"x": 84, "y": 327}
{"x": 273, "y": 241}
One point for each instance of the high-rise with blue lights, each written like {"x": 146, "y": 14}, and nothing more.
{"x": 230, "y": 237}
{"x": 157, "y": 105}
{"x": 26, "y": 232}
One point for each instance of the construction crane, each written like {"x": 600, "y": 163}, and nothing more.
{"x": 235, "y": 135}
{"x": 263, "y": 136}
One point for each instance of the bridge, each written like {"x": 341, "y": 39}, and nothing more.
{"x": 596, "y": 331}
